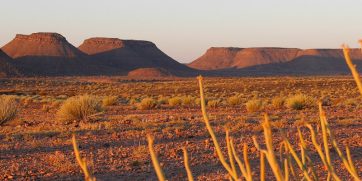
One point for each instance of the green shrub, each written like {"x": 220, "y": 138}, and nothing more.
{"x": 175, "y": 101}
{"x": 234, "y": 100}
{"x": 299, "y": 102}
{"x": 8, "y": 108}
{"x": 109, "y": 101}
{"x": 254, "y": 105}
{"x": 278, "y": 102}
{"x": 147, "y": 103}
{"x": 79, "y": 108}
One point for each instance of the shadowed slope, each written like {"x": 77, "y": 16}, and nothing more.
{"x": 6, "y": 67}
{"x": 128, "y": 55}
{"x": 49, "y": 54}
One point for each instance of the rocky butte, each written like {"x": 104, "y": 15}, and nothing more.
{"x": 274, "y": 61}
{"x": 128, "y": 55}
{"x": 49, "y": 54}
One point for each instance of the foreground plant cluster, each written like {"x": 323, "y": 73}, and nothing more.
{"x": 292, "y": 142}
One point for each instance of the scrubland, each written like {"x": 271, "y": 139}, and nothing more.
{"x": 111, "y": 117}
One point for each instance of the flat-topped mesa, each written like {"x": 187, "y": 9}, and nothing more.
{"x": 217, "y": 58}
{"x": 42, "y": 37}
{"x": 40, "y": 44}
{"x": 228, "y": 57}
{"x": 96, "y": 45}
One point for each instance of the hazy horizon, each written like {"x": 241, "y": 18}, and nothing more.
{"x": 185, "y": 30}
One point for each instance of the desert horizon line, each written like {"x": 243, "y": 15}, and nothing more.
{"x": 339, "y": 47}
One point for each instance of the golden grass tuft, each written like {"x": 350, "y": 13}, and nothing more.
{"x": 147, "y": 103}
{"x": 254, "y": 105}
{"x": 299, "y": 102}
{"x": 8, "y": 108}
{"x": 109, "y": 101}
{"x": 80, "y": 108}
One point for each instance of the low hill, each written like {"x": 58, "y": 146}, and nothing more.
{"x": 149, "y": 72}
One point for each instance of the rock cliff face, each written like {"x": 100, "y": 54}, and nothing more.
{"x": 128, "y": 55}
{"x": 6, "y": 67}
{"x": 274, "y": 60}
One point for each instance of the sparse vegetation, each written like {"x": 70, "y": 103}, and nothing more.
{"x": 278, "y": 102}
{"x": 299, "y": 102}
{"x": 175, "y": 101}
{"x": 109, "y": 101}
{"x": 213, "y": 103}
{"x": 79, "y": 108}
{"x": 234, "y": 100}
{"x": 147, "y": 103}
{"x": 8, "y": 109}
{"x": 254, "y": 105}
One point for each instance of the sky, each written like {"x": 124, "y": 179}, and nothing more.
{"x": 185, "y": 29}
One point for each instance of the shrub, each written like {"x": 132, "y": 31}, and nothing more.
{"x": 299, "y": 102}
{"x": 254, "y": 105}
{"x": 8, "y": 108}
{"x": 79, "y": 108}
{"x": 187, "y": 101}
{"x": 175, "y": 101}
{"x": 278, "y": 102}
{"x": 147, "y": 103}
{"x": 109, "y": 101}
{"x": 234, "y": 100}
{"x": 162, "y": 100}
{"x": 213, "y": 103}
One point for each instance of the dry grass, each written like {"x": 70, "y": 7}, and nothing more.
{"x": 299, "y": 102}
{"x": 8, "y": 109}
{"x": 147, "y": 103}
{"x": 109, "y": 101}
{"x": 80, "y": 108}
{"x": 254, "y": 105}
{"x": 282, "y": 167}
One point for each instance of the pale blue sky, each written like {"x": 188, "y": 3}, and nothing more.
{"x": 184, "y": 29}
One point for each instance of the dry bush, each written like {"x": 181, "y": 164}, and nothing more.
{"x": 234, "y": 100}
{"x": 147, "y": 103}
{"x": 8, "y": 108}
{"x": 299, "y": 102}
{"x": 175, "y": 101}
{"x": 213, "y": 103}
{"x": 278, "y": 102}
{"x": 188, "y": 101}
{"x": 109, "y": 101}
{"x": 79, "y": 108}
{"x": 254, "y": 105}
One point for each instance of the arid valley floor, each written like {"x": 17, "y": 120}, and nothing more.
{"x": 36, "y": 145}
